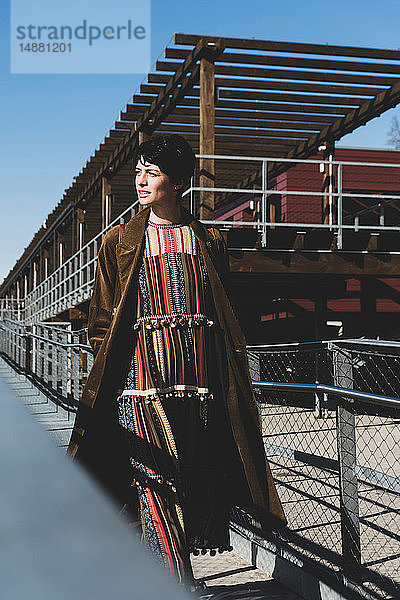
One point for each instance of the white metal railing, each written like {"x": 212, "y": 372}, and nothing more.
{"x": 52, "y": 353}
{"x": 336, "y": 217}
{"x": 72, "y": 283}
{"x": 11, "y": 308}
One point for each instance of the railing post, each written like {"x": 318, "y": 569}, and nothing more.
{"x": 340, "y": 207}
{"x": 346, "y": 444}
{"x": 320, "y": 398}
{"x": 349, "y": 511}
{"x": 330, "y": 188}
{"x": 76, "y": 357}
{"x": 192, "y": 208}
{"x": 93, "y": 265}
{"x": 254, "y": 360}
{"x": 28, "y": 351}
{"x": 264, "y": 185}
{"x": 382, "y": 215}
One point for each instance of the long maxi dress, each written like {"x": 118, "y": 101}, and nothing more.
{"x": 172, "y": 406}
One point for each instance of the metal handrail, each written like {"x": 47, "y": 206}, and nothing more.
{"x": 337, "y": 341}
{"x": 86, "y": 347}
{"x": 62, "y": 344}
{"x": 307, "y": 193}
{"x": 13, "y": 330}
{"x": 348, "y": 394}
{"x": 297, "y": 160}
{"x": 300, "y": 225}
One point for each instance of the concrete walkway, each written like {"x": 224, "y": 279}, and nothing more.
{"x": 228, "y": 576}
{"x": 54, "y": 419}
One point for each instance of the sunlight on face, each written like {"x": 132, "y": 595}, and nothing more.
{"x": 154, "y": 188}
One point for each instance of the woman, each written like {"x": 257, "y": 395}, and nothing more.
{"x": 171, "y": 373}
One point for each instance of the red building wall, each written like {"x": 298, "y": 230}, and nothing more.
{"x": 355, "y": 178}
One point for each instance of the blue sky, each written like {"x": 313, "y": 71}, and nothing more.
{"x": 51, "y": 124}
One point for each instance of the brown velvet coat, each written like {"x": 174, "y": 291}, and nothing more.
{"x": 96, "y": 439}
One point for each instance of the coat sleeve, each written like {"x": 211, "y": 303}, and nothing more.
{"x": 102, "y": 301}
{"x": 225, "y": 270}
{"x": 222, "y": 257}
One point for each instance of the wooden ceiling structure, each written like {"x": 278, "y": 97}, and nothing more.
{"x": 236, "y": 96}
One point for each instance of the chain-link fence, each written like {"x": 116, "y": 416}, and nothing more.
{"x": 335, "y": 458}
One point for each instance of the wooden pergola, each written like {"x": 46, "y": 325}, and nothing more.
{"x": 227, "y": 96}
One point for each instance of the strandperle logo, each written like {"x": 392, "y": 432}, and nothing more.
{"x": 91, "y": 33}
{"x": 80, "y": 36}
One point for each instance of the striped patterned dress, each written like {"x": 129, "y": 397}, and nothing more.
{"x": 172, "y": 407}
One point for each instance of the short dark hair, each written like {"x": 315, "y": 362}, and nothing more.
{"x": 171, "y": 153}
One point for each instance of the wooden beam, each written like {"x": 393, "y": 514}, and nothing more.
{"x": 290, "y": 107}
{"x": 207, "y": 136}
{"x": 240, "y": 94}
{"x": 133, "y": 112}
{"x": 127, "y": 118}
{"x": 315, "y": 263}
{"x": 356, "y": 117}
{"x": 234, "y": 124}
{"x": 159, "y": 78}
{"x": 292, "y": 47}
{"x": 144, "y": 136}
{"x": 295, "y": 62}
{"x": 287, "y": 106}
{"x": 261, "y": 133}
{"x": 282, "y": 97}
{"x": 240, "y": 71}
{"x": 237, "y": 122}
{"x": 105, "y": 202}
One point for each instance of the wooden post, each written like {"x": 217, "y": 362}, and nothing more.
{"x": 256, "y": 213}
{"x": 80, "y": 229}
{"x": 144, "y": 136}
{"x": 368, "y": 303}
{"x": 320, "y": 315}
{"x": 46, "y": 262}
{"x": 207, "y": 137}
{"x": 105, "y": 202}
{"x": 60, "y": 249}
{"x": 328, "y": 185}
{"x": 35, "y": 275}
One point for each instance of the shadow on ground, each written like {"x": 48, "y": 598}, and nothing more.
{"x": 267, "y": 590}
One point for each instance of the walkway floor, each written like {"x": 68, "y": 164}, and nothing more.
{"x": 229, "y": 577}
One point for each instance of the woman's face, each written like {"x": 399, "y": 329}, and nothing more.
{"x": 154, "y": 188}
